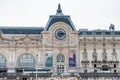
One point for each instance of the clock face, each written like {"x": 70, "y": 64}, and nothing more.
{"x": 60, "y": 34}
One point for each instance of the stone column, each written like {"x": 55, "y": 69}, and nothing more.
{"x": 38, "y": 58}
{"x": 11, "y": 58}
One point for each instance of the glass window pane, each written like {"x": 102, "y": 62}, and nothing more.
{"x": 2, "y": 61}
{"x": 60, "y": 58}
{"x": 60, "y": 68}
{"x": 26, "y": 60}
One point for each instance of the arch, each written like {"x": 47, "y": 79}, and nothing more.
{"x": 105, "y": 67}
{"x": 26, "y": 60}
{"x": 3, "y": 61}
{"x": 60, "y": 58}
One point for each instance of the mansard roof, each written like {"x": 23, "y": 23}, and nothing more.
{"x": 98, "y": 32}
{"x": 21, "y": 30}
{"x": 59, "y": 17}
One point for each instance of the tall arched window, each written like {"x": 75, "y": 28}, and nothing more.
{"x": 60, "y": 58}
{"x": 2, "y": 61}
{"x": 26, "y": 61}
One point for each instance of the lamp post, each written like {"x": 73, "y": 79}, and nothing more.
{"x": 36, "y": 74}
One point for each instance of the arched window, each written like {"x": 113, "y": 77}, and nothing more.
{"x": 26, "y": 60}
{"x": 2, "y": 61}
{"x": 105, "y": 67}
{"x": 104, "y": 57}
{"x": 60, "y": 58}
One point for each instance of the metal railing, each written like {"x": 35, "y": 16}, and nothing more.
{"x": 22, "y": 75}
{"x": 95, "y": 74}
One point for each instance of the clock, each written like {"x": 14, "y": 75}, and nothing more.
{"x": 60, "y": 34}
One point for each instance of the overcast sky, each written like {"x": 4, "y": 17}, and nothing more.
{"x": 91, "y": 14}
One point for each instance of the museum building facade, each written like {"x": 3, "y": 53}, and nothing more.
{"x": 59, "y": 50}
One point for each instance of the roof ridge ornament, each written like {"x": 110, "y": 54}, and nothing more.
{"x": 111, "y": 27}
{"x": 59, "y": 10}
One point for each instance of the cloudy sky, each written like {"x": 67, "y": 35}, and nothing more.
{"x": 91, "y": 14}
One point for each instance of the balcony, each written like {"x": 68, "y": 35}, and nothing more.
{"x": 99, "y": 74}
{"x": 113, "y": 61}
{"x": 104, "y": 61}
{"x": 95, "y": 61}
{"x": 85, "y": 61}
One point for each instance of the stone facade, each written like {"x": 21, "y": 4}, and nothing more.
{"x": 94, "y": 51}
